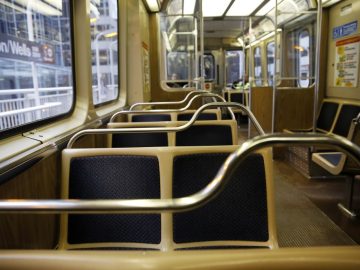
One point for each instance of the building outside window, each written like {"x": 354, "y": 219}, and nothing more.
{"x": 104, "y": 46}
{"x": 36, "y": 80}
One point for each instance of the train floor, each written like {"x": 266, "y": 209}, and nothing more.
{"x": 306, "y": 210}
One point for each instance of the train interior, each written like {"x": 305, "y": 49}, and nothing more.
{"x": 179, "y": 134}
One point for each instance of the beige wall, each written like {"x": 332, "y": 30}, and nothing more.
{"x": 337, "y": 19}
{"x": 137, "y": 48}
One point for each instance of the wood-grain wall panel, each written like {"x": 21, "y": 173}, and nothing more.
{"x": 294, "y": 108}
{"x": 261, "y": 106}
{"x": 41, "y": 181}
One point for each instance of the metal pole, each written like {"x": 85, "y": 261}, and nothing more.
{"x": 274, "y": 77}
{"x": 317, "y": 62}
{"x": 251, "y": 64}
{"x": 30, "y": 27}
{"x": 202, "y": 76}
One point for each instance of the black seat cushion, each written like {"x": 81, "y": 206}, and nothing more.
{"x": 237, "y": 97}
{"x": 139, "y": 140}
{"x": 347, "y": 113}
{"x": 151, "y": 118}
{"x": 205, "y": 135}
{"x": 238, "y": 213}
{"x": 327, "y": 115}
{"x": 202, "y": 116}
{"x": 114, "y": 177}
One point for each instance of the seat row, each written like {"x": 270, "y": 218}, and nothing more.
{"x": 168, "y": 159}
{"x": 241, "y": 216}
{"x": 335, "y": 117}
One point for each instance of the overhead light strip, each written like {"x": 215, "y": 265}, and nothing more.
{"x": 244, "y": 7}
{"x": 213, "y": 8}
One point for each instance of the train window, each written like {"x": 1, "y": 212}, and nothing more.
{"x": 36, "y": 78}
{"x": 303, "y": 59}
{"x": 209, "y": 67}
{"x": 270, "y": 59}
{"x": 234, "y": 66}
{"x": 104, "y": 46}
{"x": 179, "y": 43}
{"x": 257, "y": 66}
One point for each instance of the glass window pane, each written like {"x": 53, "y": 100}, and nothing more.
{"x": 179, "y": 44}
{"x": 104, "y": 46}
{"x": 36, "y": 80}
{"x": 257, "y": 66}
{"x": 209, "y": 67}
{"x": 304, "y": 59}
{"x": 234, "y": 67}
{"x": 270, "y": 53}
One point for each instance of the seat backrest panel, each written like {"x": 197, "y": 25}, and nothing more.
{"x": 202, "y": 116}
{"x": 347, "y": 113}
{"x": 114, "y": 177}
{"x": 238, "y": 213}
{"x": 150, "y": 117}
{"x": 204, "y": 135}
{"x": 327, "y": 115}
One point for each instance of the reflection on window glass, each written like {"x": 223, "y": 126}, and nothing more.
{"x": 257, "y": 66}
{"x": 209, "y": 67}
{"x": 234, "y": 67}
{"x": 270, "y": 53}
{"x": 36, "y": 80}
{"x": 179, "y": 45}
{"x": 304, "y": 59}
{"x": 104, "y": 46}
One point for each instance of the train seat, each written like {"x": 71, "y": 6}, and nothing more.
{"x": 241, "y": 217}
{"x": 237, "y": 217}
{"x": 145, "y": 139}
{"x": 337, "y": 163}
{"x": 105, "y": 174}
{"x": 206, "y": 115}
{"x": 223, "y": 132}
{"x": 334, "y": 118}
{"x": 150, "y": 117}
{"x": 220, "y": 132}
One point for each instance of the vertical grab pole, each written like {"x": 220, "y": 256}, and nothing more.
{"x": 202, "y": 76}
{"x": 251, "y": 65}
{"x": 275, "y": 67}
{"x": 317, "y": 61}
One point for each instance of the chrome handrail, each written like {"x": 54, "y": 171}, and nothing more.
{"x": 173, "y": 110}
{"x": 168, "y": 129}
{"x": 168, "y": 102}
{"x": 185, "y": 203}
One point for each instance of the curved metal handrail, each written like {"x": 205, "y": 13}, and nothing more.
{"x": 185, "y": 203}
{"x": 168, "y": 129}
{"x": 168, "y": 102}
{"x": 173, "y": 110}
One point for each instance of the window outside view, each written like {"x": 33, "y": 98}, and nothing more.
{"x": 36, "y": 80}
{"x": 104, "y": 46}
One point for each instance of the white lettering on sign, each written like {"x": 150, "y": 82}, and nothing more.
{"x": 17, "y": 49}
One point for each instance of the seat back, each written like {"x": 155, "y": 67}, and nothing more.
{"x": 147, "y": 139}
{"x": 241, "y": 216}
{"x": 326, "y": 116}
{"x": 150, "y": 117}
{"x": 222, "y": 132}
{"x": 206, "y": 115}
{"x": 347, "y": 113}
{"x": 108, "y": 174}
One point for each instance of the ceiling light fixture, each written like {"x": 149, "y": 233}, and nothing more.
{"x": 243, "y": 7}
